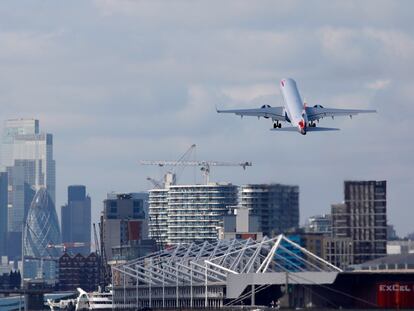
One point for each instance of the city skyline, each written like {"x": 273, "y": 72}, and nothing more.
{"x": 114, "y": 86}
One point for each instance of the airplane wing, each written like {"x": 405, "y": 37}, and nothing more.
{"x": 275, "y": 113}
{"x": 319, "y": 112}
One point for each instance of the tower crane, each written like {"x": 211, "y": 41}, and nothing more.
{"x": 205, "y": 166}
{"x": 157, "y": 184}
{"x": 67, "y": 245}
{"x": 172, "y": 176}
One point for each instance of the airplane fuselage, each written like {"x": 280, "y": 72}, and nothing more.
{"x": 294, "y": 111}
{"x": 293, "y": 104}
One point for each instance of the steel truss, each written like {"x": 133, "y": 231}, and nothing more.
{"x": 206, "y": 265}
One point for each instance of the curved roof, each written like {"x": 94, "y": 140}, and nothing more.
{"x": 41, "y": 227}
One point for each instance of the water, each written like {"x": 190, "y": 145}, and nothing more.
{"x": 17, "y": 302}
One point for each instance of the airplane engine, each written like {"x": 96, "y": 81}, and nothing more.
{"x": 265, "y": 106}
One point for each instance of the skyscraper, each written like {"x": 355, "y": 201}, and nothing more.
{"x": 76, "y": 219}
{"x": 41, "y": 232}
{"x": 276, "y": 205}
{"x": 363, "y": 218}
{"x": 3, "y": 214}
{"x": 27, "y": 156}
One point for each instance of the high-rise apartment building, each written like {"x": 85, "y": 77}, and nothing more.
{"x": 3, "y": 214}
{"x": 27, "y": 156}
{"x": 189, "y": 213}
{"x": 158, "y": 216}
{"x": 123, "y": 220}
{"x": 195, "y": 212}
{"x": 76, "y": 220}
{"x": 276, "y": 205}
{"x": 363, "y": 218}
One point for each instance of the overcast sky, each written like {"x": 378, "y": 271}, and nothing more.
{"x": 117, "y": 81}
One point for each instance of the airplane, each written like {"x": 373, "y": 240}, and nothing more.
{"x": 302, "y": 118}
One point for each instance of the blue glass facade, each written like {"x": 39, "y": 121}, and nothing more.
{"x": 76, "y": 220}
{"x": 293, "y": 257}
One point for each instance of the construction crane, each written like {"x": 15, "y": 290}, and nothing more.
{"x": 171, "y": 177}
{"x": 67, "y": 245}
{"x": 157, "y": 184}
{"x": 95, "y": 236}
{"x": 205, "y": 166}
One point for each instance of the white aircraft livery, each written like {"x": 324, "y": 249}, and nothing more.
{"x": 294, "y": 111}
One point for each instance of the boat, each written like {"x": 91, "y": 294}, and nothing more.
{"x": 97, "y": 300}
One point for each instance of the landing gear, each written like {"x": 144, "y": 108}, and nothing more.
{"x": 312, "y": 124}
{"x": 277, "y": 124}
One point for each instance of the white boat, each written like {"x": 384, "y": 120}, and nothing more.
{"x": 94, "y": 301}
{"x": 85, "y": 301}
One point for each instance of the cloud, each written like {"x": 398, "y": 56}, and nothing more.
{"x": 120, "y": 80}
{"x": 250, "y": 92}
{"x": 378, "y": 84}
{"x": 25, "y": 45}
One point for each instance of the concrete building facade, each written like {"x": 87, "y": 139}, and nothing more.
{"x": 339, "y": 251}
{"x": 123, "y": 220}
{"x": 363, "y": 219}
{"x": 241, "y": 225}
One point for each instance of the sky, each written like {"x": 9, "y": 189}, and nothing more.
{"x": 118, "y": 81}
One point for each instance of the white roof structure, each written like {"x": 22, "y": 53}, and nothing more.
{"x": 234, "y": 264}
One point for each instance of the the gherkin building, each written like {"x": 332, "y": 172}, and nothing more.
{"x": 42, "y": 228}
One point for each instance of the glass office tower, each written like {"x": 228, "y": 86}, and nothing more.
{"x": 41, "y": 231}
{"x": 27, "y": 156}
{"x": 76, "y": 220}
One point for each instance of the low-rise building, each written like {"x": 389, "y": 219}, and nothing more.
{"x": 339, "y": 251}
{"x": 400, "y": 247}
{"x": 240, "y": 225}
{"x": 79, "y": 271}
{"x": 319, "y": 224}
